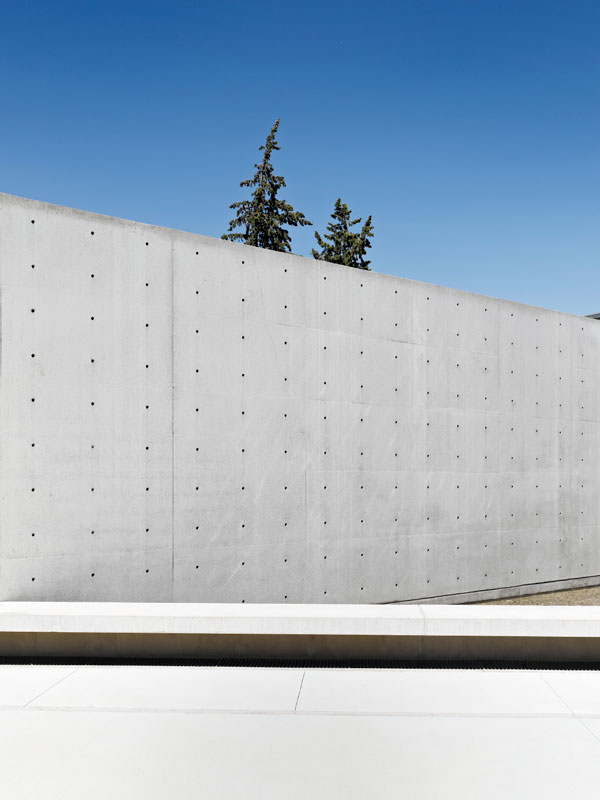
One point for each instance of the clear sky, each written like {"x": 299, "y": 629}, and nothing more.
{"x": 469, "y": 129}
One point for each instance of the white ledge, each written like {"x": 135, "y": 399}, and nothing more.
{"x": 400, "y": 631}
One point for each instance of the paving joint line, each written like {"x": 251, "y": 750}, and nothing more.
{"x": 64, "y": 678}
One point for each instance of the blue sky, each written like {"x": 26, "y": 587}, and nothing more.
{"x": 469, "y": 129}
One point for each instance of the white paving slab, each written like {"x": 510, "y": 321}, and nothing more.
{"x": 20, "y": 684}
{"x": 67, "y": 756}
{"x": 182, "y": 688}
{"x": 593, "y": 725}
{"x": 579, "y": 690}
{"x": 434, "y": 691}
{"x": 159, "y": 732}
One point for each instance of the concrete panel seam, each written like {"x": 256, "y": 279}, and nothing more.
{"x": 172, "y": 310}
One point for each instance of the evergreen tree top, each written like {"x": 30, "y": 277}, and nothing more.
{"x": 341, "y": 245}
{"x": 264, "y": 216}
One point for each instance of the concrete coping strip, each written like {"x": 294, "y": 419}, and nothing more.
{"x": 302, "y": 620}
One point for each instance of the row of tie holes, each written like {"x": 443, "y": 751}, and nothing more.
{"x": 325, "y": 488}
{"x": 325, "y": 278}
{"x": 361, "y": 285}
{"x": 285, "y": 560}
{"x": 325, "y": 347}
{"x": 361, "y": 352}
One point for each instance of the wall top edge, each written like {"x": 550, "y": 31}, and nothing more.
{"x": 260, "y": 619}
{"x": 16, "y": 200}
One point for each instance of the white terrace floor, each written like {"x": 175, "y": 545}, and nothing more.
{"x": 115, "y": 732}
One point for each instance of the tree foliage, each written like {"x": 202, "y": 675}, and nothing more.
{"x": 264, "y": 216}
{"x": 341, "y": 245}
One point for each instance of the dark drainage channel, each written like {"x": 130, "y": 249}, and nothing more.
{"x": 304, "y": 663}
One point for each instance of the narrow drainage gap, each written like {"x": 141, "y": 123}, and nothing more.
{"x": 301, "y": 663}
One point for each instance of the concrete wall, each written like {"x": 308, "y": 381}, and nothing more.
{"x": 187, "y": 419}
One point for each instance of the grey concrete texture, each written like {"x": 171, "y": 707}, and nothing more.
{"x": 194, "y": 420}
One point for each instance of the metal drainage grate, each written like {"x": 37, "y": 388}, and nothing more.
{"x": 303, "y": 663}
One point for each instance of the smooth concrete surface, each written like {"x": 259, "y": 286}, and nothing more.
{"x": 155, "y": 732}
{"x": 175, "y": 688}
{"x": 19, "y": 686}
{"x": 187, "y": 419}
{"x": 428, "y": 692}
{"x": 338, "y": 632}
{"x": 309, "y": 619}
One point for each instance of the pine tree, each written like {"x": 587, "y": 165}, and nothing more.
{"x": 263, "y": 216}
{"x": 344, "y": 246}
